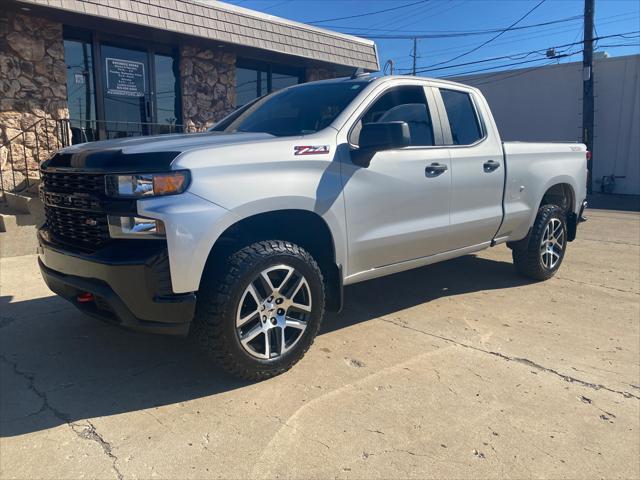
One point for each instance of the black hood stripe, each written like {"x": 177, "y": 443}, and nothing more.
{"x": 110, "y": 161}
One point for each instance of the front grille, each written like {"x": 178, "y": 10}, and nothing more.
{"x": 77, "y": 202}
{"x": 85, "y": 229}
{"x": 73, "y": 210}
{"x": 68, "y": 182}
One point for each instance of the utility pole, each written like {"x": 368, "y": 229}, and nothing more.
{"x": 588, "y": 102}
{"x": 414, "y": 54}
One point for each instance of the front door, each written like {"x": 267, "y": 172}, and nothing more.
{"x": 397, "y": 209}
{"x": 126, "y": 92}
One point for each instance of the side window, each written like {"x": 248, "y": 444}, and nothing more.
{"x": 405, "y": 104}
{"x": 465, "y": 127}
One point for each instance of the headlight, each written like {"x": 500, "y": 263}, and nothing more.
{"x": 147, "y": 184}
{"x": 135, "y": 227}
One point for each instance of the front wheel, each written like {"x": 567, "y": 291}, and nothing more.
{"x": 547, "y": 245}
{"x": 260, "y": 316}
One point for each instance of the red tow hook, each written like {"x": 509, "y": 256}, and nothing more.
{"x": 85, "y": 297}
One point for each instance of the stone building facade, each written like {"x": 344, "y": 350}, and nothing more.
{"x": 74, "y": 72}
{"x": 32, "y": 88}
{"x": 208, "y": 86}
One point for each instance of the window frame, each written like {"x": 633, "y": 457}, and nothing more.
{"x": 444, "y": 117}
{"x": 432, "y": 110}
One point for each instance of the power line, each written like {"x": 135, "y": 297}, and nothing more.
{"x": 431, "y": 14}
{"x": 534, "y": 35}
{"x": 492, "y": 38}
{"x": 522, "y": 54}
{"x": 486, "y": 69}
{"x": 368, "y": 13}
{"x": 451, "y": 34}
{"x": 399, "y": 19}
{"x": 494, "y": 78}
{"x": 615, "y": 45}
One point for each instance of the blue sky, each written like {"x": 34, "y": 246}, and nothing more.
{"x": 435, "y": 16}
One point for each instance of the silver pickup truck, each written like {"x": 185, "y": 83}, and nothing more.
{"x": 243, "y": 235}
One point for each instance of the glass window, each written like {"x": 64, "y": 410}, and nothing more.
{"x": 255, "y": 79}
{"x": 401, "y": 104}
{"x": 167, "y": 99}
{"x": 126, "y": 91}
{"x": 298, "y": 111}
{"x": 463, "y": 121}
{"x": 80, "y": 91}
{"x": 283, "y": 77}
{"x": 246, "y": 82}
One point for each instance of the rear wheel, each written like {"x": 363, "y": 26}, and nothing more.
{"x": 262, "y": 314}
{"x": 547, "y": 244}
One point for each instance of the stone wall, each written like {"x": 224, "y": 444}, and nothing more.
{"x": 208, "y": 86}
{"x": 32, "y": 86}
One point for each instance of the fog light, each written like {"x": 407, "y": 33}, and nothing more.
{"x": 135, "y": 227}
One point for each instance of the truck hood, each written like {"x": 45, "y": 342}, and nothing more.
{"x": 142, "y": 153}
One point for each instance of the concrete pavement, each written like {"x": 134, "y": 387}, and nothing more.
{"x": 457, "y": 370}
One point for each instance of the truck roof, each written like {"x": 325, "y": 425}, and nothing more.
{"x": 367, "y": 78}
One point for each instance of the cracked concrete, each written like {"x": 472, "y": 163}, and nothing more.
{"x": 458, "y": 370}
{"x": 525, "y": 361}
{"x": 89, "y": 432}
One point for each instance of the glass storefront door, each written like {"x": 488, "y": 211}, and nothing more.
{"x": 126, "y": 92}
{"x": 116, "y": 90}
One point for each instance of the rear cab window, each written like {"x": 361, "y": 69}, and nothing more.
{"x": 463, "y": 119}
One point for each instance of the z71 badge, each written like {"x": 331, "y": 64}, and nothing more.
{"x": 310, "y": 149}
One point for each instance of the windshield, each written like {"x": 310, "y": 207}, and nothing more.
{"x": 299, "y": 110}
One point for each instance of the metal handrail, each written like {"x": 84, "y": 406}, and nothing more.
{"x": 59, "y": 134}
{"x": 7, "y": 142}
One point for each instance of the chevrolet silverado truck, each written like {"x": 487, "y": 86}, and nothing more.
{"x": 242, "y": 236}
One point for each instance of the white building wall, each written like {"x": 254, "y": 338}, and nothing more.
{"x": 545, "y": 104}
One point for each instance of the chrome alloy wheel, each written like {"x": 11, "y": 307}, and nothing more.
{"x": 273, "y": 312}
{"x": 552, "y": 243}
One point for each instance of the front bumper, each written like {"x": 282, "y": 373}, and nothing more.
{"x": 130, "y": 282}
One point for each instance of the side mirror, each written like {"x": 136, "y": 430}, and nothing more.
{"x": 376, "y": 137}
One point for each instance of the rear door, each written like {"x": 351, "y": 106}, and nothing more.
{"x": 477, "y": 170}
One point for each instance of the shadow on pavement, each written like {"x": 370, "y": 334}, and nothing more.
{"x": 60, "y": 366}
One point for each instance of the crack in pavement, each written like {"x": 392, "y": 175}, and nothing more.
{"x": 63, "y": 417}
{"x": 595, "y": 285}
{"x": 609, "y": 241}
{"x": 524, "y": 361}
{"x": 295, "y": 429}
{"x": 87, "y": 433}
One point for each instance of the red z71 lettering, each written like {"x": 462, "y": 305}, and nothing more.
{"x": 310, "y": 149}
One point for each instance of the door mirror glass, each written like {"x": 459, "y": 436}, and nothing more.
{"x": 379, "y": 136}
{"x": 384, "y": 136}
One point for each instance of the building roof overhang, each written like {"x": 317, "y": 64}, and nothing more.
{"x": 227, "y": 24}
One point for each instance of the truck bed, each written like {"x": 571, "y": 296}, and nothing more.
{"x": 532, "y": 168}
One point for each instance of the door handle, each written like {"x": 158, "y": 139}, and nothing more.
{"x": 490, "y": 166}
{"x": 435, "y": 169}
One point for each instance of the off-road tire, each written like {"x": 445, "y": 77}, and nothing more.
{"x": 528, "y": 260}
{"x": 214, "y": 324}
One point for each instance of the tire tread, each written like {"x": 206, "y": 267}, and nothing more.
{"x": 527, "y": 260}
{"x": 215, "y": 307}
